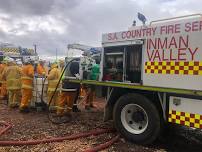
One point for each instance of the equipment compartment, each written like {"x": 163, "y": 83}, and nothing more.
{"x": 123, "y": 63}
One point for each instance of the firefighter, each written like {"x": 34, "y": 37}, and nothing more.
{"x": 94, "y": 75}
{"x": 19, "y": 63}
{"x": 1, "y": 71}
{"x": 53, "y": 78}
{"x": 41, "y": 70}
{"x": 27, "y": 85}
{"x": 12, "y": 76}
{"x": 62, "y": 64}
{"x": 3, "y": 94}
{"x": 69, "y": 93}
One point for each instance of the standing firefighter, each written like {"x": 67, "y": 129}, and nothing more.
{"x": 41, "y": 71}
{"x": 62, "y": 64}
{"x": 53, "y": 78}
{"x": 12, "y": 76}
{"x": 27, "y": 85}
{"x": 94, "y": 75}
{"x": 3, "y": 82}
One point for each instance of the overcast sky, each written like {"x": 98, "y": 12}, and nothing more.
{"x": 53, "y": 24}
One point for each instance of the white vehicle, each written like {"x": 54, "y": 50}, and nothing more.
{"x": 154, "y": 76}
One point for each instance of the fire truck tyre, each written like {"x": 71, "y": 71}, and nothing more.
{"x": 137, "y": 119}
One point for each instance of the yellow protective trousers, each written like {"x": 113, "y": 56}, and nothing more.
{"x": 26, "y": 98}
{"x": 66, "y": 98}
{"x": 55, "y": 97}
{"x": 3, "y": 90}
{"x": 14, "y": 97}
{"x": 90, "y": 93}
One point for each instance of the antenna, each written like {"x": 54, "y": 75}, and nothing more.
{"x": 56, "y": 53}
{"x": 134, "y": 23}
{"x": 35, "y": 49}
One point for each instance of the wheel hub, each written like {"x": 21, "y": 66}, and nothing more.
{"x": 134, "y": 118}
{"x": 137, "y": 116}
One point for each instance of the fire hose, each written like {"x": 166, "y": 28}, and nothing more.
{"x": 94, "y": 132}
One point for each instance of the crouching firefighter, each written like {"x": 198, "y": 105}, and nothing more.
{"x": 69, "y": 93}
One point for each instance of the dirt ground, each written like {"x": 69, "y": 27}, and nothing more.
{"x": 35, "y": 125}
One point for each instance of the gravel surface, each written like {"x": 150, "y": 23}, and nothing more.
{"x": 35, "y": 125}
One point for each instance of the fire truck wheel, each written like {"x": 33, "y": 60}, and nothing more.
{"x": 137, "y": 118}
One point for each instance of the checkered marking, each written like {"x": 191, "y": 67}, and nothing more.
{"x": 172, "y": 67}
{"x": 14, "y": 50}
{"x": 185, "y": 118}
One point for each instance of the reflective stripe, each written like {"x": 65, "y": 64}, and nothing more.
{"x": 24, "y": 86}
{"x": 53, "y": 81}
{"x": 68, "y": 89}
{"x": 53, "y": 89}
{"x": 62, "y": 108}
{"x": 13, "y": 79}
{"x": 26, "y": 78}
{"x": 27, "y": 82}
{"x": 13, "y": 88}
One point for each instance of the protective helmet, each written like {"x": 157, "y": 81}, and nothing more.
{"x": 10, "y": 60}
{"x": 5, "y": 60}
{"x": 54, "y": 65}
{"x": 27, "y": 60}
{"x": 19, "y": 62}
{"x": 41, "y": 60}
{"x": 62, "y": 63}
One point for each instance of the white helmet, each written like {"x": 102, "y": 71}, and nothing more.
{"x": 27, "y": 60}
{"x": 19, "y": 62}
{"x": 41, "y": 61}
{"x": 10, "y": 59}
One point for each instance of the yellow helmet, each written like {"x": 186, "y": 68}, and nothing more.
{"x": 54, "y": 65}
{"x": 5, "y": 60}
{"x": 62, "y": 63}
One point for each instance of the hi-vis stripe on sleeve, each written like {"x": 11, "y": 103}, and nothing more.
{"x": 172, "y": 67}
{"x": 185, "y": 118}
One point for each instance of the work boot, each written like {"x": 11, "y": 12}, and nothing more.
{"x": 68, "y": 114}
{"x": 52, "y": 109}
{"x": 13, "y": 105}
{"x": 68, "y": 117}
{"x": 92, "y": 106}
{"x": 24, "y": 110}
{"x": 87, "y": 107}
{"x": 75, "y": 109}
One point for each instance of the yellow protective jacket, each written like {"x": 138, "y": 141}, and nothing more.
{"x": 53, "y": 79}
{"x": 12, "y": 76}
{"x": 27, "y": 76}
{"x": 41, "y": 70}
